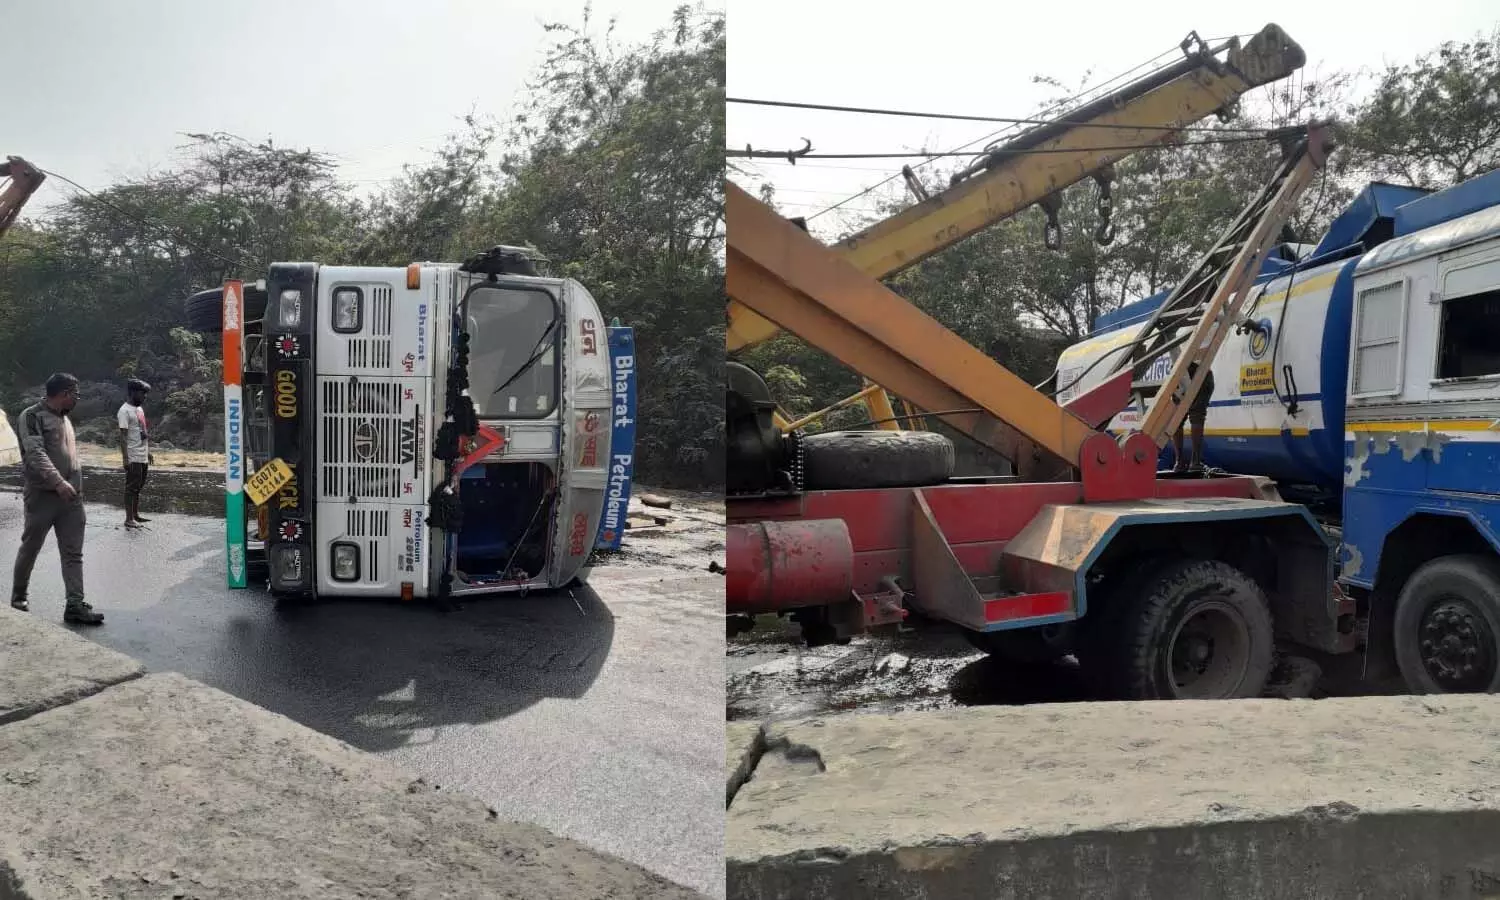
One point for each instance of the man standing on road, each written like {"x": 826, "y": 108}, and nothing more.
{"x": 1198, "y": 417}
{"x": 52, "y": 493}
{"x": 135, "y": 448}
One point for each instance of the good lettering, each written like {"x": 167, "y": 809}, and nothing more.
{"x": 286, "y": 394}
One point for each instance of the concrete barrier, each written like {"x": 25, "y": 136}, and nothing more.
{"x": 116, "y": 783}
{"x": 1362, "y": 797}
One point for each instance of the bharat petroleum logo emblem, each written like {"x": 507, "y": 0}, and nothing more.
{"x": 1260, "y": 339}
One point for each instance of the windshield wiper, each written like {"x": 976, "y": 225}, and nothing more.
{"x": 537, "y": 353}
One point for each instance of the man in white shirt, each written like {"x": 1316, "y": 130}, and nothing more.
{"x": 135, "y": 448}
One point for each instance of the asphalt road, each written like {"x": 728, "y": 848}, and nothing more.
{"x": 598, "y": 715}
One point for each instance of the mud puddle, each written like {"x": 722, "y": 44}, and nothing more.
{"x": 770, "y": 675}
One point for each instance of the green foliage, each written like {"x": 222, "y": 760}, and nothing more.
{"x": 613, "y": 169}
{"x": 1435, "y": 121}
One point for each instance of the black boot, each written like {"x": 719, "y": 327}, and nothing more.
{"x": 80, "y": 613}
{"x": 18, "y": 601}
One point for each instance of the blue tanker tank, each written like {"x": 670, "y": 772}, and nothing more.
{"x": 1280, "y": 387}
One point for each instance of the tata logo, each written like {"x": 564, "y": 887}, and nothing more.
{"x": 366, "y": 442}
{"x": 408, "y": 439}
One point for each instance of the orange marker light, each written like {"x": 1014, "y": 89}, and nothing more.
{"x": 406, "y": 591}
{"x": 413, "y": 277}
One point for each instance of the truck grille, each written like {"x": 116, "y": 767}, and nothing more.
{"x": 369, "y": 523}
{"x": 359, "y": 441}
{"x": 374, "y": 352}
{"x": 372, "y": 524}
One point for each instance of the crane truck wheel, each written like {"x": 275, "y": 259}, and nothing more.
{"x": 205, "y": 310}
{"x": 840, "y": 460}
{"x": 1186, "y": 630}
{"x": 1446, "y": 627}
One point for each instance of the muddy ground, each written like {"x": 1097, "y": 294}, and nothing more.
{"x": 771, "y": 675}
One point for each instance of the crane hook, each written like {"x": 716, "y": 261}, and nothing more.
{"x": 1052, "y": 233}
{"x": 1105, "y": 233}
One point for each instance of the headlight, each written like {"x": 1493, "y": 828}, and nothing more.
{"x": 345, "y": 562}
{"x": 288, "y": 565}
{"x": 347, "y": 310}
{"x": 291, "y": 308}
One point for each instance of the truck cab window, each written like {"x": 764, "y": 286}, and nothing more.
{"x": 1469, "y": 346}
{"x": 513, "y": 336}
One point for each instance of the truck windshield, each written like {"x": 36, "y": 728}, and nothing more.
{"x": 512, "y": 352}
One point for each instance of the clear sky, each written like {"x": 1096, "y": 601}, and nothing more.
{"x": 100, "y": 89}
{"x": 978, "y": 58}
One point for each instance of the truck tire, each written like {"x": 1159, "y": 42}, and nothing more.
{"x": 1028, "y": 646}
{"x": 205, "y": 310}
{"x": 1189, "y": 629}
{"x": 842, "y": 460}
{"x": 1446, "y": 625}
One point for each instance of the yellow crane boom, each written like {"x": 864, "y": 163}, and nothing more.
{"x": 1046, "y": 159}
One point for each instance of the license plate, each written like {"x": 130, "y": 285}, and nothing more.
{"x": 267, "y": 480}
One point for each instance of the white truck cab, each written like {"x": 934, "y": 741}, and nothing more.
{"x": 432, "y": 430}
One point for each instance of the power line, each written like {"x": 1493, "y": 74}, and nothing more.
{"x": 139, "y": 220}
{"x": 927, "y": 154}
{"x": 865, "y": 110}
{"x": 1075, "y": 98}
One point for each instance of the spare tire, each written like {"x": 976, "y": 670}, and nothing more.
{"x": 840, "y": 460}
{"x": 205, "y": 309}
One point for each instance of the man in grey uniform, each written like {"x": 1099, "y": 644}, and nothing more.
{"x": 52, "y": 492}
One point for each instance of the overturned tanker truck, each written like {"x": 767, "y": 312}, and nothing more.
{"x": 429, "y": 431}
{"x": 1364, "y": 377}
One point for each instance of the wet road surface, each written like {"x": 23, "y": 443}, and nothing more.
{"x": 599, "y": 716}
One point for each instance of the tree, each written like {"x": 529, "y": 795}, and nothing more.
{"x": 613, "y": 169}
{"x": 1435, "y": 121}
